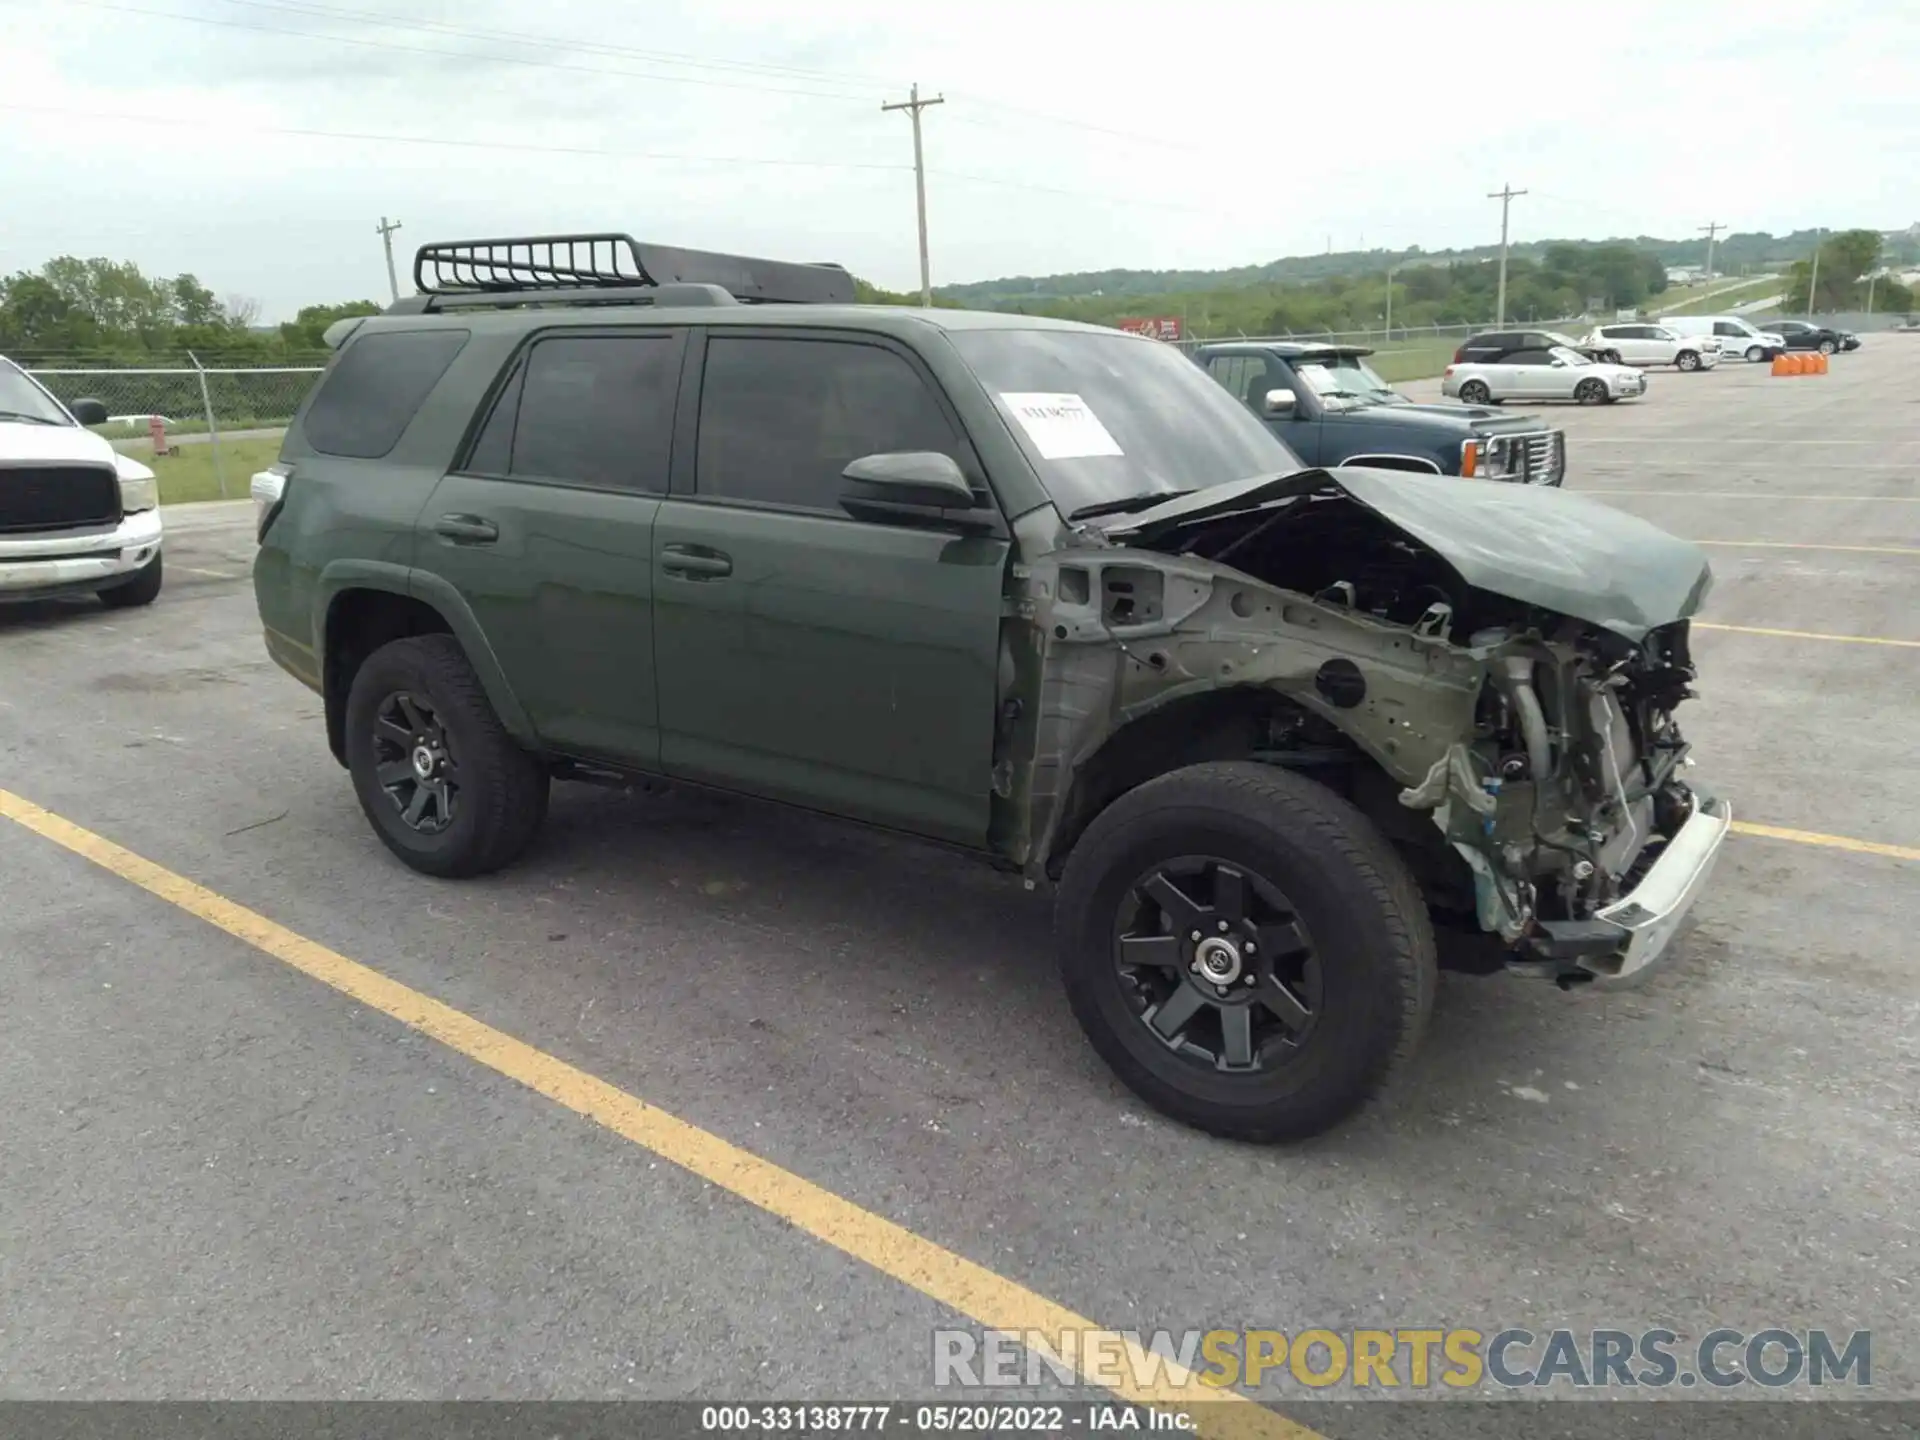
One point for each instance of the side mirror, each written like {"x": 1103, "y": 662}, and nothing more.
{"x": 922, "y": 478}
{"x": 89, "y": 412}
{"x": 1279, "y": 402}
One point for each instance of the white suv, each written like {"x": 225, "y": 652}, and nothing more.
{"x": 75, "y": 514}
{"x": 1648, "y": 344}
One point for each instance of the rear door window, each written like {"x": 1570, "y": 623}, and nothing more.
{"x": 591, "y": 410}
{"x": 373, "y": 391}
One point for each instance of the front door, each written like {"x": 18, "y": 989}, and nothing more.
{"x": 841, "y": 664}
{"x": 546, "y": 530}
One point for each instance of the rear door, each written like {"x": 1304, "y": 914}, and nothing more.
{"x": 546, "y": 528}
{"x": 845, "y": 665}
{"x": 1530, "y": 375}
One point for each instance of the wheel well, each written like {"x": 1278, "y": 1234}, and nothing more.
{"x": 1218, "y": 725}
{"x": 1243, "y": 724}
{"x": 359, "y": 622}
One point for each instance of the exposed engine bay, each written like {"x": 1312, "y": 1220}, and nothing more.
{"x": 1525, "y": 760}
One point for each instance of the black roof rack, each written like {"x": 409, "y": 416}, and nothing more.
{"x": 527, "y": 268}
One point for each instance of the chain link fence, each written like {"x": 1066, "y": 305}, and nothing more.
{"x": 214, "y": 424}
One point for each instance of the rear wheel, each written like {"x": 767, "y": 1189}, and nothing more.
{"x": 143, "y": 589}
{"x": 444, "y": 785}
{"x": 1591, "y": 392}
{"x": 1245, "y": 950}
{"x": 1475, "y": 392}
{"x": 1686, "y": 360}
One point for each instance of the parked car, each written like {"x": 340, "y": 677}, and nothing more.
{"x": 1037, "y": 591}
{"x": 1802, "y": 335}
{"x": 1643, "y": 343}
{"x": 1555, "y": 374}
{"x": 1332, "y": 408}
{"x": 1736, "y": 335}
{"x": 76, "y": 516}
{"x": 1493, "y": 346}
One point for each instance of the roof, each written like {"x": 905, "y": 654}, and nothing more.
{"x": 1294, "y": 349}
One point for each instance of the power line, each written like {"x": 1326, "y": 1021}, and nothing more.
{"x": 523, "y": 60}
{"x": 913, "y": 105}
{"x": 1505, "y": 195}
{"x": 384, "y": 139}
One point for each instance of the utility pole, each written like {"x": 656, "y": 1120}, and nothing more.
{"x": 1505, "y": 195}
{"x": 1390, "y": 270}
{"x": 913, "y": 105}
{"x": 385, "y": 230}
{"x": 1813, "y": 279}
{"x": 1711, "y": 230}
{"x": 1872, "y": 275}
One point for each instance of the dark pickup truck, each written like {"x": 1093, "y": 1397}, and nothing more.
{"x": 1331, "y": 408}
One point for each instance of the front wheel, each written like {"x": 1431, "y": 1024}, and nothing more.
{"x": 1592, "y": 392}
{"x": 1826, "y": 347}
{"x": 1245, "y": 950}
{"x": 1686, "y": 360}
{"x": 444, "y": 785}
{"x": 143, "y": 589}
{"x": 1755, "y": 354}
{"x": 1475, "y": 392}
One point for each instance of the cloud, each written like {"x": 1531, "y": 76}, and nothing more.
{"x": 1073, "y": 136}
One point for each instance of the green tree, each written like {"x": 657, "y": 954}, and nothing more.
{"x": 306, "y": 330}
{"x": 1845, "y": 260}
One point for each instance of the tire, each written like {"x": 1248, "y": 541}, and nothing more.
{"x": 1826, "y": 347}
{"x": 1350, "y": 933}
{"x": 1755, "y": 354}
{"x": 1686, "y": 360}
{"x": 1475, "y": 392}
{"x": 1592, "y": 392}
{"x": 485, "y": 796}
{"x": 143, "y": 589}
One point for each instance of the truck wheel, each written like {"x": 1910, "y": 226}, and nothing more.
{"x": 143, "y": 589}
{"x": 1245, "y": 950}
{"x": 1686, "y": 360}
{"x": 445, "y": 786}
{"x": 1755, "y": 354}
{"x": 1475, "y": 392}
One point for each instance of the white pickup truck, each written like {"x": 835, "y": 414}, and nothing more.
{"x": 75, "y": 514}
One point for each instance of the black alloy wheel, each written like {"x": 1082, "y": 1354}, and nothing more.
{"x": 1217, "y": 964}
{"x": 414, "y": 762}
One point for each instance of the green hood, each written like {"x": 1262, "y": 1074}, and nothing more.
{"x": 1536, "y": 544}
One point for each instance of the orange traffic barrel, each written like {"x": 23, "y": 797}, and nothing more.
{"x": 1819, "y": 363}
{"x": 1780, "y": 365}
{"x": 1796, "y": 364}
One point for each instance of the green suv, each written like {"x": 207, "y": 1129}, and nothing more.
{"x": 585, "y": 509}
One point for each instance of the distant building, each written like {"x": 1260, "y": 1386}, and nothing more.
{"x": 1685, "y": 274}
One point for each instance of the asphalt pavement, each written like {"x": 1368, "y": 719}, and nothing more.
{"x": 225, "y": 1178}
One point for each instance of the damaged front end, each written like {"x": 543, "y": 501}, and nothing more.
{"x": 1489, "y": 672}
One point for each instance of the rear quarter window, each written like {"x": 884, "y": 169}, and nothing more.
{"x": 371, "y": 394}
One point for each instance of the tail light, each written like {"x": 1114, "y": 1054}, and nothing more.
{"x": 1459, "y": 354}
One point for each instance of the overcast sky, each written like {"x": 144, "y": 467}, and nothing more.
{"x": 1074, "y": 136}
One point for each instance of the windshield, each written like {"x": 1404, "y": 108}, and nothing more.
{"x": 1107, "y": 419}
{"x": 1564, "y": 341}
{"x": 22, "y": 399}
{"x": 1347, "y": 380}
{"x": 1571, "y": 357}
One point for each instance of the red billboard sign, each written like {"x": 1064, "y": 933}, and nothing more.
{"x": 1154, "y": 327}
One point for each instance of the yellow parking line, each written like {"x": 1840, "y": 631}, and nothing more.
{"x": 1806, "y": 635}
{"x": 989, "y": 1299}
{"x": 1808, "y": 545}
{"x": 1832, "y": 842}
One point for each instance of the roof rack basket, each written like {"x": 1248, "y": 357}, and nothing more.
{"x": 520, "y": 264}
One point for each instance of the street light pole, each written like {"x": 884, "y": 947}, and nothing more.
{"x": 913, "y": 105}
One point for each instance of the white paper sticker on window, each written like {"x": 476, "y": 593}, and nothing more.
{"x": 1062, "y": 427}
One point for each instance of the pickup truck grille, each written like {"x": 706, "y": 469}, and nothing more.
{"x": 57, "y": 497}
{"x": 1540, "y": 459}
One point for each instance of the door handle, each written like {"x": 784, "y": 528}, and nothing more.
{"x": 694, "y": 563}
{"x": 469, "y": 528}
